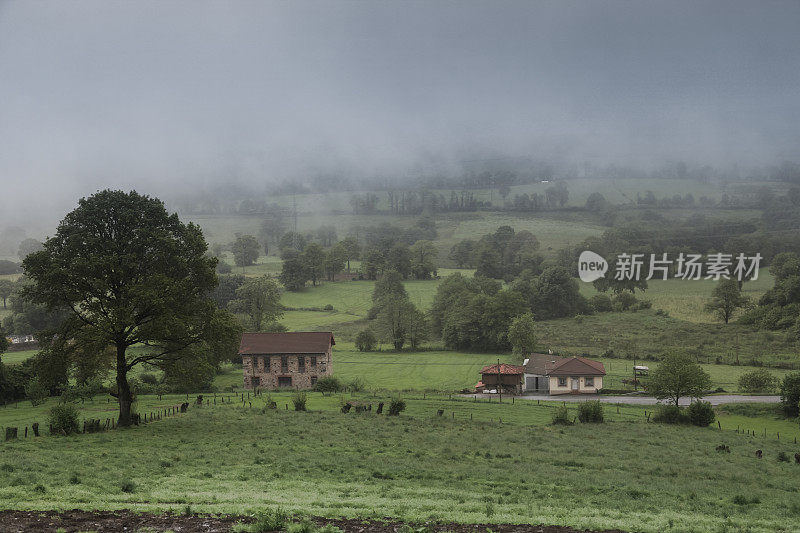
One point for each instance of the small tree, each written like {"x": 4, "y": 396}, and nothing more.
{"x": 365, "y": 341}
{"x": 36, "y": 392}
{"x": 6, "y": 288}
{"x": 259, "y": 298}
{"x": 245, "y": 250}
{"x": 760, "y": 380}
{"x": 790, "y": 394}
{"x": 726, "y": 299}
{"x": 678, "y": 376}
{"x": 522, "y": 334}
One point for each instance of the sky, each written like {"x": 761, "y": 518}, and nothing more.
{"x": 170, "y": 96}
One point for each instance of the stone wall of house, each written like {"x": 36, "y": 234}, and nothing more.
{"x": 296, "y": 371}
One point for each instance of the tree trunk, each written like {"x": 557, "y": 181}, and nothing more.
{"x": 125, "y": 397}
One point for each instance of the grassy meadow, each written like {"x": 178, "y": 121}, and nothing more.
{"x": 226, "y": 458}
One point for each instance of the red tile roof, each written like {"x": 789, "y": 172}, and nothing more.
{"x": 578, "y": 366}
{"x": 504, "y": 369}
{"x": 279, "y": 343}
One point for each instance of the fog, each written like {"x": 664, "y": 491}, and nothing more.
{"x": 174, "y": 96}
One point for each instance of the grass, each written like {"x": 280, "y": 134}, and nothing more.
{"x": 624, "y": 474}
{"x": 11, "y": 358}
{"x": 648, "y": 335}
{"x": 686, "y": 300}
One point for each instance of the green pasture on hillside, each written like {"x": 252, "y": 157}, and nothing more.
{"x": 624, "y": 474}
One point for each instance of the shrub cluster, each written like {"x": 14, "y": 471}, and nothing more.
{"x": 761, "y": 380}
{"x": 299, "y": 400}
{"x": 590, "y": 412}
{"x": 561, "y": 416}
{"x": 396, "y": 407}
{"x": 698, "y": 414}
{"x": 63, "y": 419}
{"x": 328, "y": 384}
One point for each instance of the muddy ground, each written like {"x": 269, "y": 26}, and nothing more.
{"x": 127, "y": 521}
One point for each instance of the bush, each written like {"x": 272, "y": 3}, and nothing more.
{"x": 36, "y": 392}
{"x": 149, "y": 378}
{"x": 63, "y": 419}
{"x": 561, "y": 416}
{"x": 355, "y": 385}
{"x": 590, "y": 412}
{"x": 224, "y": 268}
{"x": 623, "y": 301}
{"x": 760, "y": 380}
{"x": 790, "y": 394}
{"x": 700, "y": 413}
{"x": 299, "y": 400}
{"x": 272, "y": 520}
{"x": 396, "y": 407}
{"x": 328, "y": 384}
{"x": 328, "y": 307}
{"x": 127, "y": 486}
{"x": 601, "y": 303}
{"x": 366, "y": 341}
{"x": 670, "y": 414}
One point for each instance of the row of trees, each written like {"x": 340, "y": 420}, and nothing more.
{"x": 503, "y": 254}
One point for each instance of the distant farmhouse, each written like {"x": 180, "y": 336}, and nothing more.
{"x": 562, "y": 375}
{"x": 544, "y": 373}
{"x": 291, "y": 360}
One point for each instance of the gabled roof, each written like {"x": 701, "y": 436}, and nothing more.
{"x": 578, "y": 366}
{"x": 543, "y": 364}
{"x": 504, "y": 369}
{"x": 280, "y": 343}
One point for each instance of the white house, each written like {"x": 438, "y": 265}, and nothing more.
{"x": 553, "y": 375}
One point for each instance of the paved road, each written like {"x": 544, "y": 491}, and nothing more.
{"x": 642, "y": 400}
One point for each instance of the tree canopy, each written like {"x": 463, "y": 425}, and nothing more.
{"x": 126, "y": 272}
{"x": 676, "y": 377}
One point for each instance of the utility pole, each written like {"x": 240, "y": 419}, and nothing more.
{"x": 499, "y": 384}
{"x": 294, "y": 222}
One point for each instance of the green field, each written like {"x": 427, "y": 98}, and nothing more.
{"x": 624, "y": 474}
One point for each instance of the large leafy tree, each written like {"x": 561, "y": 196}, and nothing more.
{"x": 128, "y": 273}
{"x": 726, "y": 299}
{"x": 676, "y": 377}
{"x": 259, "y": 298}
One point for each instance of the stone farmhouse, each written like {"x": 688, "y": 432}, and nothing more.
{"x": 285, "y": 360}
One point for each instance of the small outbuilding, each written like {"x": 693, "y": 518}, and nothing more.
{"x": 546, "y": 373}
{"x": 507, "y": 378}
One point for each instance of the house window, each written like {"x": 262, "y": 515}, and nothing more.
{"x": 301, "y": 363}
{"x": 589, "y": 382}
{"x": 562, "y": 382}
{"x": 313, "y": 360}
{"x": 266, "y": 364}
{"x": 313, "y": 380}
{"x": 285, "y": 381}
{"x": 255, "y": 381}
{"x": 284, "y": 364}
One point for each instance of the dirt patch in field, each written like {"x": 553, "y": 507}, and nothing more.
{"x": 127, "y": 521}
